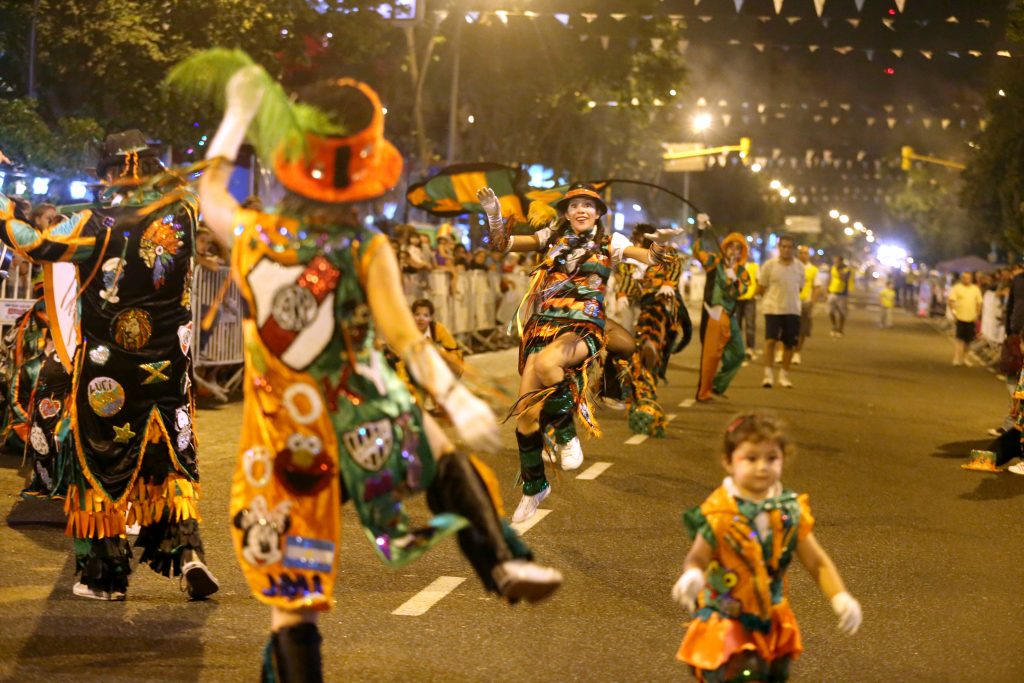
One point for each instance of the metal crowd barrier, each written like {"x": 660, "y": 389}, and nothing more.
{"x": 217, "y": 351}
{"x": 15, "y": 295}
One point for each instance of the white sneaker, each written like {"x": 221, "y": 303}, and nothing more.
{"x": 199, "y": 581}
{"x": 571, "y": 454}
{"x": 784, "y": 380}
{"x": 1016, "y": 469}
{"x": 524, "y": 580}
{"x": 528, "y": 505}
{"x": 796, "y": 358}
{"x": 83, "y": 591}
{"x": 769, "y": 381}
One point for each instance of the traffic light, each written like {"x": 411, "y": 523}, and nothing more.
{"x": 907, "y": 152}
{"x": 745, "y": 150}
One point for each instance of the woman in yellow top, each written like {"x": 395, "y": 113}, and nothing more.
{"x": 744, "y": 537}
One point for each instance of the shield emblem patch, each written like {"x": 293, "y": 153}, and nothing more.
{"x": 370, "y": 444}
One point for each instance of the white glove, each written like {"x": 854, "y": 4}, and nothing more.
{"x": 847, "y": 609}
{"x": 472, "y": 418}
{"x": 665, "y": 235}
{"x": 489, "y": 201}
{"x": 244, "y": 93}
{"x": 667, "y": 290}
{"x": 703, "y": 222}
{"x": 688, "y": 587}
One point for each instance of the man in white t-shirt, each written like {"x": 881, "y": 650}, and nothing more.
{"x": 782, "y": 278}
{"x": 965, "y": 303}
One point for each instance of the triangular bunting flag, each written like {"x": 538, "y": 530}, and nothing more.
{"x": 952, "y": 20}
{"x": 726, "y": 118}
{"x": 656, "y": 43}
{"x": 845, "y": 106}
{"x": 589, "y": 16}
{"x": 618, "y": 16}
{"x": 890, "y": 121}
{"x": 675, "y": 19}
{"x": 860, "y": 4}
{"x": 888, "y": 108}
{"x": 843, "y": 50}
{"x": 604, "y": 42}
{"x": 871, "y": 120}
{"x": 834, "y": 120}
{"x": 927, "y": 123}
{"x": 870, "y": 54}
{"x": 953, "y": 53}
{"x": 441, "y": 14}
{"x": 759, "y": 47}
{"x": 1003, "y": 53}
{"x": 889, "y": 24}
{"x": 910, "y": 108}
{"x": 563, "y": 19}
{"x": 701, "y": 102}
{"x": 900, "y": 4}
{"x": 583, "y": 37}
{"x": 982, "y": 124}
{"x": 945, "y": 123}
{"x": 897, "y": 52}
{"x": 778, "y": 6}
{"x": 974, "y": 53}
{"x": 984, "y": 22}
{"x": 681, "y": 45}
{"x": 776, "y": 153}
{"x": 761, "y": 107}
{"x": 764, "y": 20}
{"x": 705, "y": 19}
{"x": 813, "y": 48}
{"x": 764, "y": 119}
{"x": 792, "y": 20}
{"x": 739, "y": 5}
{"x": 853, "y": 22}
{"x": 927, "y": 54}
{"x": 819, "y": 6}
{"x": 818, "y": 118}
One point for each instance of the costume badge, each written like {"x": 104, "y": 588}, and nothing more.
{"x": 303, "y": 467}
{"x": 106, "y": 396}
{"x": 313, "y": 554}
{"x": 39, "y": 441}
{"x": 108, "y": 222}
{"x": 185, "y": 337}
{"x": 370, "y": 444}
{"x": 183, "y": 426}
{"x": 257, "y": 467}
{"x": 159, "y": 245}
{"x": 123, "y": 434}
{"x": 156, "y": 371}
{"x": 49, "y": 407}
{"x": 99, "y": 355}
{"x": 294, "y": 311}
{"x": 113, "y": 271}
{"x": 594, "y": 282}
{"x": 131, "y": 329}
{"x": 262, "y": 530}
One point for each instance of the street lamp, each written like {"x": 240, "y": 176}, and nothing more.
{"x": 844, "y": 219}
{"x": 701, "y": 122}
{"x": 833, "y": 214}
{"x": 775, "y": 184}
{"x": 848, "y": 232}
{"x": 785, "y": 192}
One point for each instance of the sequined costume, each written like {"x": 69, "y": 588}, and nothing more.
{"x": 132, "y": 409}
{"x": 326, "y": 419}
{"x": 721, "y": 352}
{"x": 744, "y": 620}
{"x": 567, "y": 292}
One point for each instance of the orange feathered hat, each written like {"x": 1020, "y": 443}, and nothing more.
{"x": 340, "y": 170}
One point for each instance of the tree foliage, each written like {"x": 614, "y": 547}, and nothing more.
{"x": 934, "y": 223}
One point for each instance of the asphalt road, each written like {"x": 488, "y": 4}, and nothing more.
{"x": 881, "y": 420}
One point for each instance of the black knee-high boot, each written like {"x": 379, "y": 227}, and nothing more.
{"x": 293, "y": 656}
{"x": 487, "y": 541}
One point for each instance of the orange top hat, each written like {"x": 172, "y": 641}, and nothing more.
{"x": 346, "y": 169}
{"x": 582, "y": 190}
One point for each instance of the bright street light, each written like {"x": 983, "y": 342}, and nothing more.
{"x": 756, "y": 168}
{"x": 858, "y": 225}
{"x": 701, "y": 122}
{"x": 775, "y": 184}
{"x": 785, "y": 192}
{"x": 848, "y": 231}
{"x": 870, "y": 238}
{"x": 844, "y": 219}
{"x": 792, "y": 200}
{"x": 834, "y": 213}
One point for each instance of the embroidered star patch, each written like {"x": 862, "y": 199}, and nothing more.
{"x": 156, "y": 371}
{"x": 124, "y": 434}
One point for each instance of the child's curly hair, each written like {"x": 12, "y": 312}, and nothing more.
{"x": 756, "y": 426}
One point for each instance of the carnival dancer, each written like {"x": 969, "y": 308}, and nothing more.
{"x": 734, "y": 580}
{"x": 623, "y": 310}
{"x": 325, "y": 417}
{"x": 567, "y": 330}
{"x": 721, "y": 341}
{"x": 131, "y": 406}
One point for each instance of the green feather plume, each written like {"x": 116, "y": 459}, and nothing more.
{"x": 280, "y": 124}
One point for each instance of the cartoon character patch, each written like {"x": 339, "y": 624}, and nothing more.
{"x": 113, "y": 271}
{"x": 304, "y": 467}
{"x": 106, "y": 396}
{"x": 159, "y": 245}
{"x": 262, "y": 531}
{"x": 132, "y": 329}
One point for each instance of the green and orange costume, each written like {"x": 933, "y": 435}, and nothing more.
{"x": 721, "y": 354}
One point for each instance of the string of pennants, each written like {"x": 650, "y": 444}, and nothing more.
{"x": 927, "y": 122}
{"x": 502, "y": 17}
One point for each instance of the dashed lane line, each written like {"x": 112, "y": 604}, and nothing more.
{"x": 688, "y": 403}
{"x": 636, "y": 439}
{"x": 522, "y": 527}
{"x": 670, "y": 417}
{"x": 429, "y": 596}
{"x": 594, "y": 471}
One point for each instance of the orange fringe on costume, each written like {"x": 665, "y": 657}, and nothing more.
{"x": 100, "y": 517}
{"x": 710, "y": 643}
{"x": 94, "y": 517}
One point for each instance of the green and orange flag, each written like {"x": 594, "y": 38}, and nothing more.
{"x": 452, "y": 191}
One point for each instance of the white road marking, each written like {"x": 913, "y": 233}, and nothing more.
{"x": 594, "y": 471}
{"x": 687, "y": 403}
{"x": 670, "y": 417}
{"x": 636, "y": 439}
{"x": 429, "y": 596}
{"x": 522, "y": 527}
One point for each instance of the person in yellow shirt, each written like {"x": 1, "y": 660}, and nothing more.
{"x": 746, "y": 309}
{"x": 964, "y": 302}
{"x": 809, "y": 295}
{"x": 888, "y": 300}
{"x": 839, "y": 287}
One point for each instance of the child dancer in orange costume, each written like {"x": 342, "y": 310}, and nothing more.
{"x": 744, "y": 536}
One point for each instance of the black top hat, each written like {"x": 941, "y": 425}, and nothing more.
{"x": 120, "y": 148}
{"x": 582, "y": 190}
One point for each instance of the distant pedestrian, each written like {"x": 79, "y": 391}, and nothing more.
{"x": 746, "y": 310}
{"x": 809, "y": 295}
{"x": 839, "y": 287}
{"x": 887, "y": 298}
{"x": 782, "y": 279}
{"x": 965, "y": 303}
